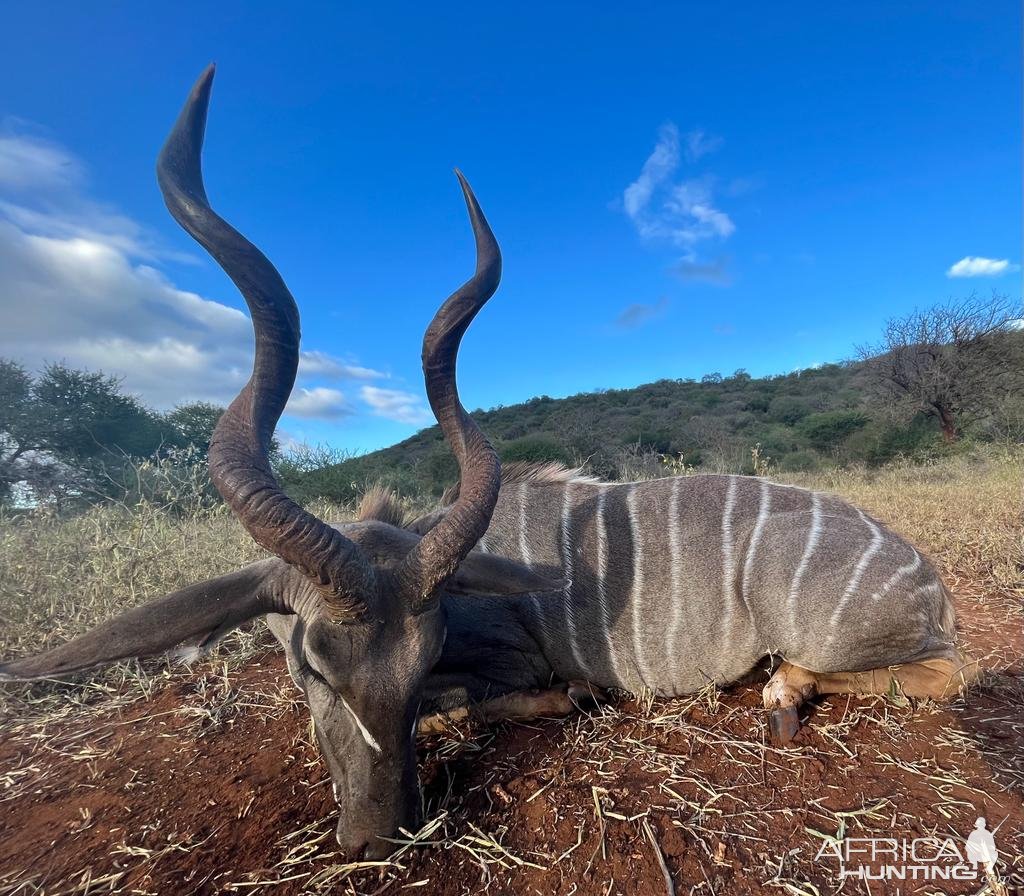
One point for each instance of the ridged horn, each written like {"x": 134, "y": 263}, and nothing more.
{"x": 439, "y": 553}
{"x": 239, "y": 450}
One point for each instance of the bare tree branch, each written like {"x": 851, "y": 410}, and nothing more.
{"x": 954, "y": 362}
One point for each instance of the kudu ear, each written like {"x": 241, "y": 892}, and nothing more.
{"x": 490, "y": 575}
{"x": 198, "y": 614}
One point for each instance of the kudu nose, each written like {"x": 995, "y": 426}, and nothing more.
{"x": 363, "y": 847}
{"x": 377, "y": 850}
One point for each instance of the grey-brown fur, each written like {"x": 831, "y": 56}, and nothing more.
{"x": 382, "y": 504}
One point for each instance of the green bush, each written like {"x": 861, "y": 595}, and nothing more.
{"x": 881, "y": 441}
{"x": 657, "y": 440}
{"x": 788, "y": 409}
{"x": 535, "y": 449}
{"x": 803, "y": 460}
{"x": 827, "y": 431}
{"x": 438, "y": 470}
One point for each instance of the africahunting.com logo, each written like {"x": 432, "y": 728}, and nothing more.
{"x": 917, "y": 859}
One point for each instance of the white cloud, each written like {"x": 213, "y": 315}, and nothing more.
{"x": 318, "y": 403}
{"x": 659, "y": 167}
{"x": 288, "y": 442}
{"x": 80, "y": 286}
{"x": 28, "y": 162}
{"x": 88, "y": 304}
{"x": 324, "y": 365}
{"x": 976, "y": 266}
{"x": 43, "y": 192}
{"x": 394, "y": 404}
{"x": 680, "y": 212}
{"x": 699, "y": 143}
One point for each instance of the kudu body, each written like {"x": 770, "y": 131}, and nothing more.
{"x": 677, "y": 583}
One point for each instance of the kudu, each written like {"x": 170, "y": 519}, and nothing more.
{"x": 357, "y": 605}
{"x": 668, "y": 585}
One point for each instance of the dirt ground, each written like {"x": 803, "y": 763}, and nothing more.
{"x": 213, "y": 786}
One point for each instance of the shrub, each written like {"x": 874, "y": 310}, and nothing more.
{"x": 535, "y": 449}
{"x": 803, "y": 460}
{"x": 827, "y": 431}
{"x": 882, "y": 441}
{"x": 788, "y": 409}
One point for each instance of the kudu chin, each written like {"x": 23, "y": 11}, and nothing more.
{"x": 357, "y": 606}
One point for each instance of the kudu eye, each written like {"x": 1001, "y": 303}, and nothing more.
{"x": 311, "y": 670}
{"x": 312, "y": 673}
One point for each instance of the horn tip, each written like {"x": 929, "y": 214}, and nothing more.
{"x": 467, "y": 192}
{"x": 201, "y": 89}
{"x": 466, "y": 188}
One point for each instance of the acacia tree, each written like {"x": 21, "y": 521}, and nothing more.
{"x": 953, "y": 362}
{"x": 193, "y": 424}
{"x": 17, "y": 436}
{"x": 62, "y": 432}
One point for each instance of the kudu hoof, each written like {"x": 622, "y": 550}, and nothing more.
{"x": 783, "y": 724}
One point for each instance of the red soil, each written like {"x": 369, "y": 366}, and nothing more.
{"x": 171, "y": 805}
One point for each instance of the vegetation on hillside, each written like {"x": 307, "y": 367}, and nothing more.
{"x": 940, "y": 378}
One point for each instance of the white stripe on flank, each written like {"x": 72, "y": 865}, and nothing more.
{"x": 370, "y": 742}
{"x": 764, "y": 509}
{"x": 674, "y": 555}
{"x": 524, "y": 545}
{"x": 566, "y": 542}
{"x": 636, "y": 595}
{"x": 812, "y": 543}
{"x": 602, "y": 575}
{"x": 602, "y": 550}
{"x": 481, "y": 545}
{"x": 900, "y": 573}
{"x": 567, "y": 566}
{"x": 728, "y": 564}
{"x": 858, "y": 572}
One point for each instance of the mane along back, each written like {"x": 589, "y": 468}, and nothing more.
{"x": 531, "y": 473}
{"x": 380, "y": 503}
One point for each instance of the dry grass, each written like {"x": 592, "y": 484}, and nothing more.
{"x": 967, "y": 511}
{"x": 580, "y": 804}
{"x": 60, "y": 576}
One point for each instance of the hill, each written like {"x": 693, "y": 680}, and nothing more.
{"x": 796, "y": 422}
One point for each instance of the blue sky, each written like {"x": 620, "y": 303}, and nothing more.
{"x": 677, "y": 189}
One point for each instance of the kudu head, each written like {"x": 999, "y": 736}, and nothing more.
{"x": 359, "y": 603}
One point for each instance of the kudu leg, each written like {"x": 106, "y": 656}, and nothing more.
{"x": 939, "y": 678}
{"x": 519, "y": 706}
